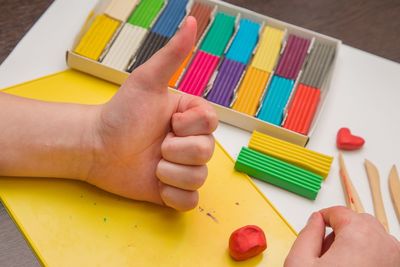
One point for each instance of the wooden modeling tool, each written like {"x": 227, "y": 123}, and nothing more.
{"x": 394, "y": 188}
{"x": 374, "y": 183}
{"x": 352, "y": 199}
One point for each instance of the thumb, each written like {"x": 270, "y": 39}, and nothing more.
{"x": 308, "y": 244}
{"x": 158, "y": 70}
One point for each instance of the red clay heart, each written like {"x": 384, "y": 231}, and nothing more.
{"x": 247, "y": 242}
{"x": 346, "y": 141}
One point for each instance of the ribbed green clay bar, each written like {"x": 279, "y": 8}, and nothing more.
{"x": 145, "y": 13}
{"x": 219, "y": 34}
{"x": 278, "y": 173}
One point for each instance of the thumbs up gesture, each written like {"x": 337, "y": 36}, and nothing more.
{"x": 153, "y": 145}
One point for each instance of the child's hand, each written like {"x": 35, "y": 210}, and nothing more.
{"x": 356, "y": 240}
{"x": 154, "y": 145}
{"x": 145, "y": 143}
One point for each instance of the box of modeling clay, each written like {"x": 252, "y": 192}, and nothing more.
{"x": 259, "y": 73}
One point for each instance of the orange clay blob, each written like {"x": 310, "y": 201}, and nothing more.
{"x": 247, "y": 242}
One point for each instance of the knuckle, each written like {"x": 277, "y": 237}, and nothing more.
{"x": 203, "y": 152}
{"x": 180, "y": 50}
{"x": 344, "y": 221}
{"x": 368, "y": 218}
{"x": 370, "y": 221}
{"x": 177, "y": 118}
{"x": 176, "y": 50}
{"x": 199, "y": 177}
{"x": 209, "y": 119}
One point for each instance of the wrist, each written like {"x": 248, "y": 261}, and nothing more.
{"x": 88, "y": 145}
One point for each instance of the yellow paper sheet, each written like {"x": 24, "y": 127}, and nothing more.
{"x": 71, "y": 223}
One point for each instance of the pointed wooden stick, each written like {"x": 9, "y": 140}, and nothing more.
{"x": 394, "y": 188}
{"x": 352, "y": 199}
{"x": 374, "y": 184}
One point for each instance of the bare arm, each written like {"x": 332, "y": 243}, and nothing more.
{"x": 42, "y": 139}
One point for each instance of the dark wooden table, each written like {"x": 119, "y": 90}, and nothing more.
{"x": 370, "y": 25}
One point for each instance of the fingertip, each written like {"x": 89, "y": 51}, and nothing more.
{"x": 337, "y": 208}
{"x": 190, "y": 17}
{"x": 180, "y": 200}
{"x": 191, "y": 22}
{"x": 166, "y": 61}
{"x": 177, "y": 119}
{"x": 316, "y": 219}
{"x": 337, "y": 217}
{"x": 184, "y": 39}
{"x": 210, "y": 120}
